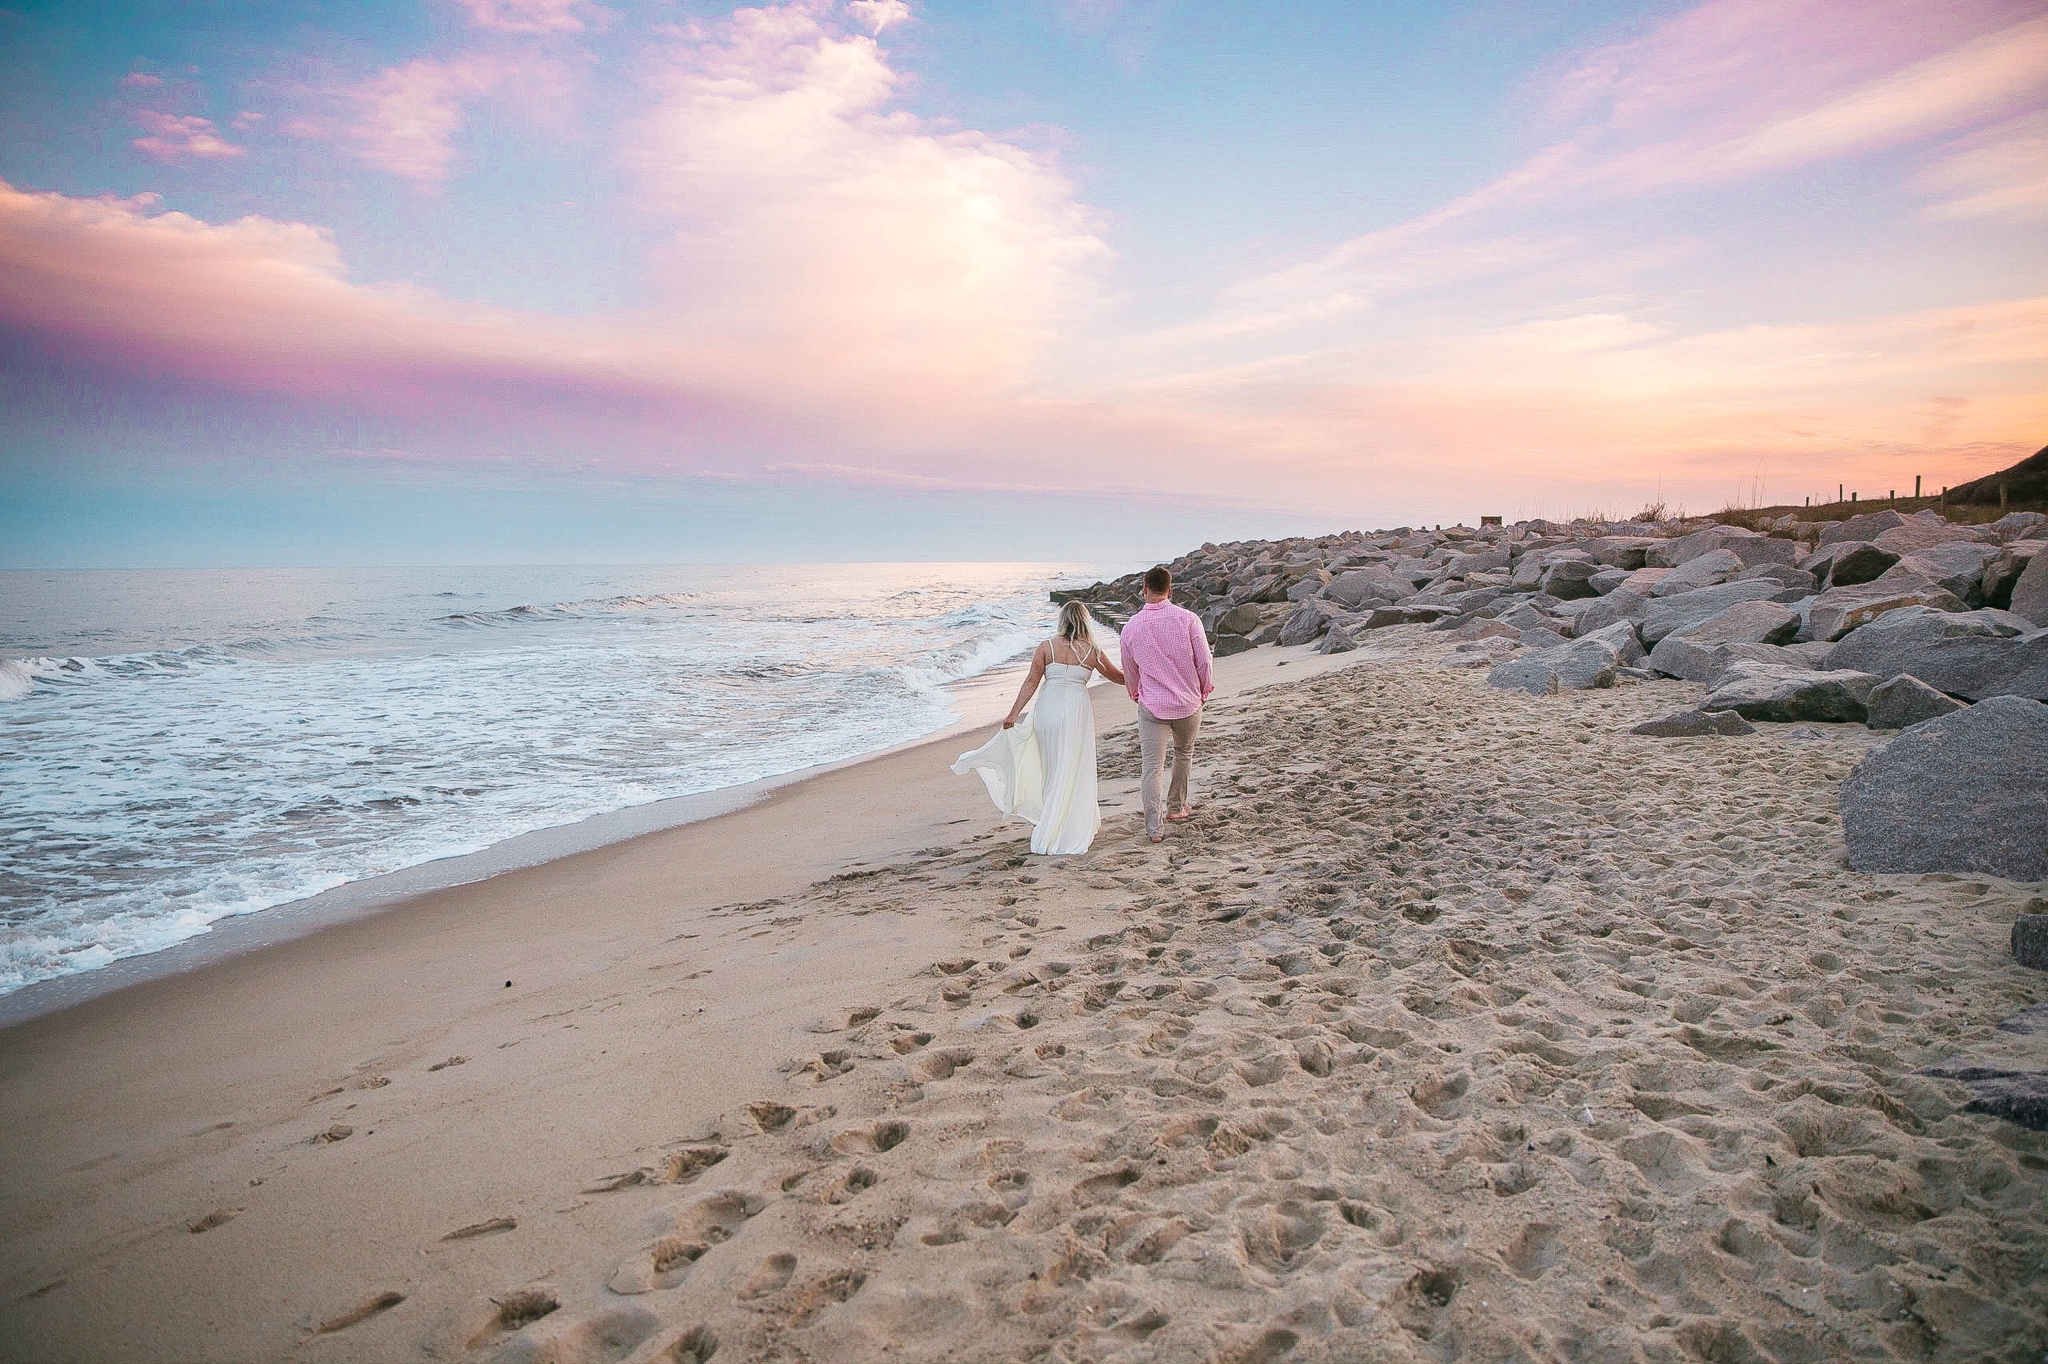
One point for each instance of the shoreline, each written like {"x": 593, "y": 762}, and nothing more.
{"x": 236, "y": 934}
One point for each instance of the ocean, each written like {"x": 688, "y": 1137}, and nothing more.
{"x": 180, "y": 746}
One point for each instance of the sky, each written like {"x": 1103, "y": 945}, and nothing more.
{"x": 554, "y": 281}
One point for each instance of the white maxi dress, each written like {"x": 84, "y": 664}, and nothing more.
{"x": 1042, "y": 769}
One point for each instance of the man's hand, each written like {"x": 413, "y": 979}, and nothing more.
{"x": 1009, "y": 722}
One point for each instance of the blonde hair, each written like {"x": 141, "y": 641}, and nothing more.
{"x": 1074, "y": 624}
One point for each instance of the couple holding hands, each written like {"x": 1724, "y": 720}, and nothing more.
{"x": 1041, "y": 767}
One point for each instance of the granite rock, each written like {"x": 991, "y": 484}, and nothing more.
{"x": 1766, "y": 691}
{"x": 1839, "y": 610}
{"x": 1904, "y": 701}
{"x": 1693, "y": 723}
{"x": 1705, "y": 570}
{"x": 1967, "y": 792}
{"x": 2030, "y": 592}
{"x": 1868, "y": 526}
{"x": 1308, "y": 621}
{"x": 1669, "y": 615}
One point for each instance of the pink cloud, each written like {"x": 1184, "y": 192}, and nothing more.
{"x": 534, "y": 16}
{"x": 1727, "y": 92}
{"x": 141, "y": 80}
{"x": 173, "y": 137}
{"x": 2000, "y": 172}
{"x": 405, "y": 118}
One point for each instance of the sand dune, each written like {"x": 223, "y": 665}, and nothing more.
{"x": 1460, "y": 1024}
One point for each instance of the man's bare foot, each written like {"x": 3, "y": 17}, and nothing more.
{"x": 1186, "y": 812}
{"x": 1158, "y": 838}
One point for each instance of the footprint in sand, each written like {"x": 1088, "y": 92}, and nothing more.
{"x": 219, "y": 1217}
{"x": 694, "y": 1346}
{"x": 1533, "y": 1251}
{"x": 703, "y": 1223}
{"x": 1260, "y": 1347}
{"x": 771, "y": 1117}
{"x": 883, "y": 1136}
{"x": 476, "y": 1229}
{"x": 680, "y": 1167}
{"x": 516, "y": 1310}
{"x": 361, "y": 1312}
{"x": 857, "y": 1182}
{"x": 819, "y": 1294}
{"x": 939, "y": 1065}
{"x": 772, "y": 1275}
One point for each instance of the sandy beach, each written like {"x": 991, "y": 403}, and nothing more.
{"x": 1459, "y": 1024}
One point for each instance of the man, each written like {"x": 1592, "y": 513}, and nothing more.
{"x": 1166, "y": 671}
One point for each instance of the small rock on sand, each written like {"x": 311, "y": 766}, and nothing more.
{"x": 1688, "y": 724}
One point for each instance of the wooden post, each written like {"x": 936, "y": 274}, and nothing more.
{"x": 1916, "y": 487}
{"x": 2001, "y": 497}
{"x": 1852, "y": 497}
{"x": 1838, "y": 492}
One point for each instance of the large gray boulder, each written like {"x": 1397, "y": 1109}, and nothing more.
{"x": 1619, "y": 637}
{"x": 1607, "y": 579}
{"x": 1746, "y": 622}
{"x": 1359, "y": 587}
{"x": 1619, "y": 551}
{"x": 1643, "y": 580}
{"x": 1783, "y": 573}
{"x": 1906, "y": 700}
{"x": 1971, "y": 654}
{"x": 2030, "y": 593}
{"x": 1531, "y": 673}
{"x": 1380, "y": 617}
{"x": 1893, "y": 636}
{"x": 1868, "y": 526}
{"x": 1308, "y": 621}
{"x": 1580, "y": 665}
{"x": 1748, "y": 547}
{"x": 1678, "y": 656}
{"x": 1767, "y": 691}
{"x": 1848, "y": 562}
{"x": 1620, "y": 604}
{"x": 1241, "y": 619}
{"x": 1917, "y": 535}
{"x": 1705, "y": 570}
{"x": 1669, "y": 615}
{"x": 1839, "y": 610}
{"x": 1957, "y": 565}
{"x": 2002, "y": 574}
{"x": 1569, "y": 579}
{"x": 2018, "y": 525}
{"x": 1967, "y": 792}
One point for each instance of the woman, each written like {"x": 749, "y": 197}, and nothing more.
{"x": 1043, "y": 770}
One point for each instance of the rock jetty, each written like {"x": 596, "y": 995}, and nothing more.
{"x": 1892, "y": 620}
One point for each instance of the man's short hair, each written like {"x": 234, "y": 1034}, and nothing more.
{"x": 1158, "y": 580}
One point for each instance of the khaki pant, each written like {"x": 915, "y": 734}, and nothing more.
{"x": 1152, "y": 736}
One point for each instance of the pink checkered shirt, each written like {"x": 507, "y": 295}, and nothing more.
{"x": 1166, "y": 661}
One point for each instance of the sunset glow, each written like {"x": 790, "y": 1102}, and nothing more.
{"x": 1220, "y": 269}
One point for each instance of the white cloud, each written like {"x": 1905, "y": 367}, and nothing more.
{"x": 174, "y": 137}
{"x": 821, "y": 223}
